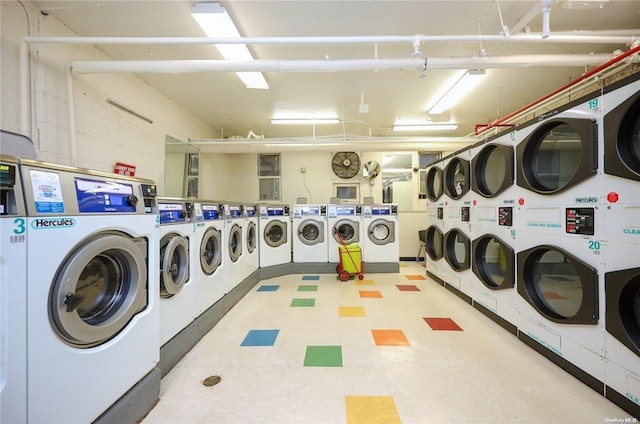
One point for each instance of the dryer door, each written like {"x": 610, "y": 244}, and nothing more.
{"x": 434, "y": 183}
{"x": 235, "y": 242}
{"x": 434, "y": 241}
{"x": 348, "y": 230}
{"x": 492, "y": 170}
{"x": 382, "y": 232}
{"x": 622, "y": 314}
{"x": 493, "y": 262}
{"x": 456, "y": 178}
{"x": 252, "y": 237}
{"x": 457, "y": 250}
{"x": 558, "y": 155}
{"x": 311, "y": 232}
{"x": 622, "y": 140}
{"x": 275, "y": 233}
{"x": 211, "y": 250}
{"x": 98, "y": 289}
{"x": 174, "y": 264}
{"x": 561, "y": 287}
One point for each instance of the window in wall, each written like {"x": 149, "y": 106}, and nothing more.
{"x": 396, "y": 179}
{"x": 347, "y": 193}
{"x": 426, "y": 159}
{"x": 193, "y": 169}
{"x": 269, "y": 176}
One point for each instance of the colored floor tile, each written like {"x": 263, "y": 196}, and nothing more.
{"x": 446, "y": 324}
{"x": 268, "y": 288}
{"x": 371, "y": 410}
{"x": 351, "y": 311}
{"x": 407, "y": 287}
{"x": 303, "y": 302}
{"x": 305, "y": 288}
{"x": 365, "y": 283}
{"x": 390, "y": 338}
{"x": 310, "y": 277}
{"x": 370, "y": 294}
{"x": 323, "y": 356}
{"x": 260, "y": 338}
{"x": 414, "y": 277}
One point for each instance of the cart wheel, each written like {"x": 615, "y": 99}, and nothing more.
{"x": 344, "y": 275}
{"x": 338, "y": 269}
{"x": 360, "y": 276}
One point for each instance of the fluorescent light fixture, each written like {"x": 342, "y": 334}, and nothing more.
{"x": 455, "y": 90}
{"x": 426, "y": 127}
{"x": 216, "y": 23}
{"x": 311, "y": 121}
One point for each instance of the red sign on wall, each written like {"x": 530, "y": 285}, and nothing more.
{"x": 124, "y": 169}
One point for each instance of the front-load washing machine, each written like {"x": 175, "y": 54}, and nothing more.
{"x": 561, "y": 307}
{"x": 381, "y": 241}
{"x": 177, "y": 303}
{"x": 309, "y": 229}
{"x": 345, "y": 226}
{"x": 92, "y": 311}
{"x": 250, "y": 259}
{"x": 208, "y": 270}
{"x": 275, "y": 240}
{"x": 13, "y": 294}
{"x": 233, "y": 233}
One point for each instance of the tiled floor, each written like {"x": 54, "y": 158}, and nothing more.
{"x": 393, "y": 348}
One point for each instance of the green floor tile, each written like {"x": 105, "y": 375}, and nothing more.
{"x": 323, "y": 356}
{"x": 306, "y": 288}
{"x": 303, "y": 302}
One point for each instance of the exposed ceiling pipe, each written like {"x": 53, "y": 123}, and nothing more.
{"x": 522, "y": 23}
{"x": 546, "y": 12}
{"x": 193, "y": 66}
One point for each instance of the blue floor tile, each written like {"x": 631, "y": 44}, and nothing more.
{"x": 268, "y": 288}
{"x": 310, "y": 277}
{"x": 260, "y": 338}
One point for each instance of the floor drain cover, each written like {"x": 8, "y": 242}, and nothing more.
{"x": 212, "y": 381}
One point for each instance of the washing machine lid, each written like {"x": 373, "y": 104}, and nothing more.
{"x": 275, "y": 233}
{"x": 560, "y": 286}
{"x": 558, "y": 155}
{"x": 493, "y": 261}
{"x": 252, "y": 237}
{"x": 174, "y": 264}
{"x": 235, "y": 243}
{"x": 622, "y": 139}
{"x": 492, "y": 170}
{"x": 382, "y": 232}
{"x": 98, "y": 289}
{"x": 457, "y": 250}
{"x": 622, "y": 311}
{"x": 311, "y": 232}
{"x": 346, "y": 231}
{"x": 434, "y": 243}
{"x": 211, "y": 250}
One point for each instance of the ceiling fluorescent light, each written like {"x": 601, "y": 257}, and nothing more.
{"x": 453, "y": 93}
{"x": 320, "y": 121}
{"x": 426, "y": 127}
{"x": 216, "y": 23}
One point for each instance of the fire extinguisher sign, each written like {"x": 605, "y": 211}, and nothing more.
{"x": 124, "y": 169}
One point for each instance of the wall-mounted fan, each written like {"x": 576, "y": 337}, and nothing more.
{"x": 345, "y": 164}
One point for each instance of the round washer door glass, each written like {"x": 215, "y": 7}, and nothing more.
{"x": 622, "y": 308}
{"x": 434, "y": 183}
{"x": 235, "y": 243}
{"x": 310, "y": 233}
{"x": 434, "y": 243}
{"x": 98, "y": 289}
{"x": 210, "y": 250}
{"x": 252, "y": 237}
{"x": 492, "y": 170}
{"x": 275, "y": 233}
{"x": 457, "y": 249}
{"x": 493, "y": 262}
{"x": 456, "y": 178}
{"x": 622, "y": 139}
{"x": 382, "y": 232}
{"x": 347, "y": 230}
{"x": 174, "y": 264}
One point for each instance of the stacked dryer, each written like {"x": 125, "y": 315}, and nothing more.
{"x": 621, "y": 135}
{"x": 345, "y": 226}
{"x": 92, "y": 306}
{"x": 13, "y": 294}
{"x": 233, "y": 233}
{"x": 250, "y": 259}
{"x": 434, "y": 261}
{"x": 381, "y": 242}
{"x": 275, "y": 238}
{"x": 310, "y": 234}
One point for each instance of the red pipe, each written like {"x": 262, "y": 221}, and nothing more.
{"x": 476, "y": 126}
{"x": 564, "y": 87}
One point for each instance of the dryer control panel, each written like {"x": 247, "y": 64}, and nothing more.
{"x": 505, "y": 216}
{"x": 580, "y": 221}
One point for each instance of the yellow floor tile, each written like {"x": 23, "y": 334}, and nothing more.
{"x": 352, "y": 311}
{"x": 370, "y": 294}
{"x": 365, "y": 283}
{"x": 371, "y": 410}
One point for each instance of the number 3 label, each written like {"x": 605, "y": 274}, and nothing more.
{"x": 20, "y": 226}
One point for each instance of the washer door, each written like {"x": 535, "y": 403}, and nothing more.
{"x": 174, "y": 264}
{"x": 456, "y": 178}
{"x": 493, "y": 262}
{"x": 235, "y": 242}
{"x": 558, "y": 155}
{"x": 561, "y": 287}
{"x": 457, "y": 250}
{"x": 382, "y": 232}
{"x": 434, "y": 183}
{"x": 348, "y": 230}
{"x": 311, "y": 232}
{"x": 622, "y": 313}
{"x": 98, "y": 289}
{"x": 492, "y": 170}
{"x": 434, "y": 243}
{"x": 275, "y": 233}
{"x": 211, "y": 250}
{"x": 622, "y": 140}
{"x": 252, "y": 237}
